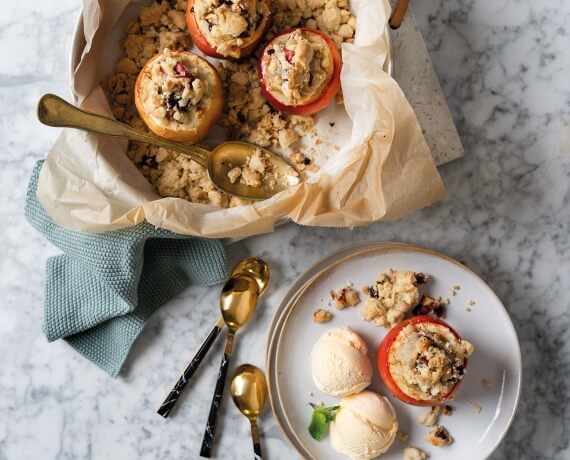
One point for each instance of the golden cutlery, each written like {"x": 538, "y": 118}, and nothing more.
{"x": 252, "y": 266}
{"x": 237, "y": 303}
{"x": 249, "y": 392}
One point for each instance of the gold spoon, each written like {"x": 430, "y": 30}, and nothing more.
{"x": 237, "y": 303}
{"x": 249, "y": 392}
{"x": 54, "y": 111}
{"x": 252, "y": 266}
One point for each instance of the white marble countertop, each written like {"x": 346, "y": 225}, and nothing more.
{"x": 504, "y": 69}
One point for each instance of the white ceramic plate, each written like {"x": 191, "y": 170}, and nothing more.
{"x": 496, "y": 358}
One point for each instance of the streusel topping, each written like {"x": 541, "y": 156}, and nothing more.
{"x": 427, "y": 360}
{"x": 229, "y": 24}
{"x": 177, "y": 89}
{"x": 297, "y": 66}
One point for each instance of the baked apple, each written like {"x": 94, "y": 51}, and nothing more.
{"x": 229, "y": 29}
{"x": 299, "y": 71}
{"x": 179, "y": 95}
{"x": 422, "y": 361}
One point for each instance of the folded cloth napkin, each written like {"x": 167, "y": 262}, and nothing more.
{"x": 105, "y": 286}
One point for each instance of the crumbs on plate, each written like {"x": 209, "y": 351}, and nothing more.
{"x": 414, "y": 453}
{"x": 438, "y": 436}
{"x": 322, "y": 316}
{"x": 345, "y": 297}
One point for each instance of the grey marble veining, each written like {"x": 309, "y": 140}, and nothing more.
{"x": 504, "y": 69}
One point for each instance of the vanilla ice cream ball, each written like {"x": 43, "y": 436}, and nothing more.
{"x": 340, "y": 364}
{"x": 364, "y": 427}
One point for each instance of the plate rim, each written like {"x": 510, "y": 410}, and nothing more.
{"x": 329, "y": 261}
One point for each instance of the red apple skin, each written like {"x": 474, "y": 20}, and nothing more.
{"x": 204, "y": 45}
{"x": 384, "y": 368}
{"x": 328, "y": 94}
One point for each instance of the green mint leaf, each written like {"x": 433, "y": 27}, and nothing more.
{"x": 320, "y": 420}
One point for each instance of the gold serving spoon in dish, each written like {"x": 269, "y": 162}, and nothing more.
{"x": 259, "y": 271}
{"x": 54, "y": 111}
{"x": 249, "y": 392}
{"x": 237, "y": 304}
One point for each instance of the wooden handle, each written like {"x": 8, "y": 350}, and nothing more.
{"x": 398, "y": 14}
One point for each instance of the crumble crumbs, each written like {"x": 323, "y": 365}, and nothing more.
{"x": 453, "y": 290}
{"x": 403, "y": 437}
{"x": 345, "y": 297}
{"x": 256, "y": 170}
{"x": 430, "y": 418}
{"x": 392, "y": 296}
{"x": 476, "y": 407}
{"x": 439, "y": 437}
{"x": 447, "y": 410}
{"x": 430, "y": 306}
{"x": 413, "y": 453}
{"x": 321, "y": 316}
{"x": 487, "y": 383}
{"x": 468, "y": 304}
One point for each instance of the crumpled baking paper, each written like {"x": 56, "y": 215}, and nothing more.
{"x": 382, "y": 171}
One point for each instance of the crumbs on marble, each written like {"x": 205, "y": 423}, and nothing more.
{"x": 487, "y": 383}
{"x": 447, "y": 410}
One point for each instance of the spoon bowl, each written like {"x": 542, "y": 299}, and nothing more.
{"x": 228, "y": 155}
{"x": 238, "y": 300}
{"x": 257, "y": 269}
{"x": 249, "y": 390}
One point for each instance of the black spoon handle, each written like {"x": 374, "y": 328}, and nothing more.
{"x": 210, "y": 431}
{"x": 168, "y": 404}
{"x": 256, "y": 437}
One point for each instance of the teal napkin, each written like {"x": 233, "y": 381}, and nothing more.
{"x": 101, "y": 291}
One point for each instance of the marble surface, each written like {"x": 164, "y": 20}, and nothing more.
{"x": 503, "y": 67}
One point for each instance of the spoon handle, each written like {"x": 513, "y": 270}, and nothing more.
{"x": 54, "y": 111}
{"x": 210, "y": 432}
{"x": 256, "y": 437}
{"x": 398, "y": 14}
{"x": 168, "y": 404}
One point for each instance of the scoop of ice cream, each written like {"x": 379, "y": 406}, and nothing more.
{"x": 365, "y": 426}
{"x": 340, "y": 365}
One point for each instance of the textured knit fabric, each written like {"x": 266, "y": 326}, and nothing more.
{"x": 105, "y": 286}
